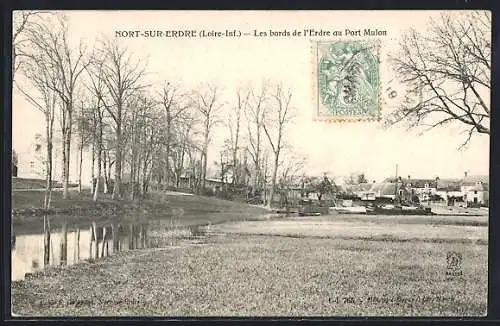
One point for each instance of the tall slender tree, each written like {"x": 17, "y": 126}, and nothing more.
{"x": 277, "y": 118}
{"x": 51, "y": 40}
{"x": 122, "y": 77}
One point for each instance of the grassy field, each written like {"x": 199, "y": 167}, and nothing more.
{"x": 248, "y": 275}
{"x": 308, "y": 266}
{"x": 360, "y": 230}
{"x": 404, "y": 219}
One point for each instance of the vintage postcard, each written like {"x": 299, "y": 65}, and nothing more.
{"x": 250, "y": 163}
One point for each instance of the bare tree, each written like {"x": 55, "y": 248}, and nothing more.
{"x": 447, "y": 73}
{"x": 143, "y": 127}
{"x": 45, "y": 99}
{"x": 234, "y": 126}
{"x": 98, "y": 92}
{"x": 205, "y": 101}
{"x": 174, "y": 109}
{"x": 22, "y": 22}
{"x": 51, "y": 39}
{"x": 276, "y": 120}
{"x": 122, "y": 76}
{"x": 255, "y": 121}
{"x": 291, "y": 174}
{"x": 185, "y": 143}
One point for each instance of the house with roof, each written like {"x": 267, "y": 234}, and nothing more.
{"x": 475, "y": 190}
{"x": 470, "y": 190}
{"x": 31, "y": 161}
{"x": 389, "y": 190}
{"x": 362, "y": 191}
{"x": 449, "y": 189}
{"x": 424, "y": 189}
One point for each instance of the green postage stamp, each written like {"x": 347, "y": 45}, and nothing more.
{"x": 347, "y": 80}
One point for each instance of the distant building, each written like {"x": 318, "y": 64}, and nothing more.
{"x": 386, "y": 190}
{"x": 475, "y": 189}
{"x": 449, "y": 188}
{"x": 470, "y": 190}
{"x": 424, "y": 189}
{"x": 362, "y": 190}
{"x": 31, "y": 161}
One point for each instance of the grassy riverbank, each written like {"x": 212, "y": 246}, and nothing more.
{"x": 249, "y": 275}
{"x": 178, "y": 208}
{"x": 27, "y": 183}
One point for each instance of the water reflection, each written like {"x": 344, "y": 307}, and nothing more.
{"x": 68, "y": 246}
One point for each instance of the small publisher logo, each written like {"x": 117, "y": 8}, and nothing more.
{"x": 454, "y": 264}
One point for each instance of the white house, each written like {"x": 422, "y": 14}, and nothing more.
{"x": 32, "y": 161}
{"x": 475, "y": 189}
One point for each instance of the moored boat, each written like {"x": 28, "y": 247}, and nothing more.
{"x": 347, "y": 210}
{"x": 398, "y": 210}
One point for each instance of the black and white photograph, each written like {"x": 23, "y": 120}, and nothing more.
{"x": 175, "y": 163}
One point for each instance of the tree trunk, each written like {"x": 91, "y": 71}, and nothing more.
{"x": 106, "y": 179}
{"x": 203, "y": 176}
{"x": 64, "y": 160}
{"x": 48, "y": 164}
{"x": 167, "y": 150}
{"x": 93, "y": 167}
{"x": 273, "y": 180}
{"x": 99, "y": 163}
{"x": 67, "y": 147}
{"x": 118, "y": 162}
{"x": 80, "y": 167}
{"x": 133, "y": 158}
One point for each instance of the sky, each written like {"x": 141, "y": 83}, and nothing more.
{"x": 336, "y": 148}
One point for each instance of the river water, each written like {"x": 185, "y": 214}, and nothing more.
{"x": 28, "y": 249}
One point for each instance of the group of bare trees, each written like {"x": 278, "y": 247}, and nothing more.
{"x": 43, "y": 53}
{"x": 148, "y": 135}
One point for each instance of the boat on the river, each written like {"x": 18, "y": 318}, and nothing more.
{"x": 347, "y": 210}
{"x": 389, "y": 209}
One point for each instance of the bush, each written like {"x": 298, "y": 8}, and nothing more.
{"x": 208, "y": 192}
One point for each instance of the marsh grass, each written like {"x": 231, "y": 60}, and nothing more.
{"x": 248, "y": 275}
{"x": 361, "y": 230}
{"x": 271, "y": 267}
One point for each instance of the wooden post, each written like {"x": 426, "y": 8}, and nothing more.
{"x": 115, "y": 229}
{"x": 103, "y": 248}
{"x": 46, "y": 241}
{"x": 131, "y": 237}
{"x": 64, "y": 244}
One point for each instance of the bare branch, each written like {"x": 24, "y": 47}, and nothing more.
{"x": 446, "y": 72}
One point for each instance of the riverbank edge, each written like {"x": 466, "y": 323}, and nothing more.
{"x": 108, "y": 208}
{"x": 175, "y": 233}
